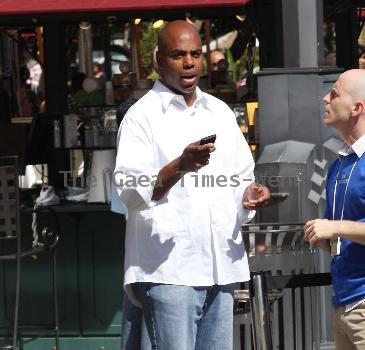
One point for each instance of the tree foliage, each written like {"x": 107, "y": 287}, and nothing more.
{"x": 148, "y": 43}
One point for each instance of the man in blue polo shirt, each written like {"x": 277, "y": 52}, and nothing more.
{"x": 345, "y": 111}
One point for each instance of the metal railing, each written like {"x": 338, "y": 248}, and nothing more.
{"x": 273, "y": 247}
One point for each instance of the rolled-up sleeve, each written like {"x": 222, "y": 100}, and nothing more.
{"x": 134, "y": 173}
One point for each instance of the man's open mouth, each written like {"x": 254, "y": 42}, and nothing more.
{"x": 188, "y": 78}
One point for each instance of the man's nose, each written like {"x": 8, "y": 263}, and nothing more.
{"x": 188, "y": 61}
{"x": 326, "y": 99}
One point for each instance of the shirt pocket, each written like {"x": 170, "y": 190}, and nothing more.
{"x": 167, "y": 223}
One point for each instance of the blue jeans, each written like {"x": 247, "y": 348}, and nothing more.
{"x": 134, "y": 331}
{"x": 187, "y": 318}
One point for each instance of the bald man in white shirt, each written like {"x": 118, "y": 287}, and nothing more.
{"x": 186, "y": 202}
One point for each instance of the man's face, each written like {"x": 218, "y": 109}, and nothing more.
{"x": 180, "y": 60}
{"x": 215, "y": 57}
{"x": 338, "y": 104}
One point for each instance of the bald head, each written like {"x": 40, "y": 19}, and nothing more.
{"x": 344, "y": 105}
{"x": 179, "y": 58}
{"x": 353, "y": 81}
{"x": 171, "y": 29}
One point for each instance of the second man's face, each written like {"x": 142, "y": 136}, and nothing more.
{"x": 338, "y": 105}
{"x": 181, "y": 61}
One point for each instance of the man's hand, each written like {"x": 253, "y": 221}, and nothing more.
{"x": 316, "y": 232}
{"x": 195, "y": 156}
{"x": 256, "y": 196}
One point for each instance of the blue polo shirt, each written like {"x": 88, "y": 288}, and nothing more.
{"x": 348, "y": 268}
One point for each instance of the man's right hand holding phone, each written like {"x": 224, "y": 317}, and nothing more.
{"x": 196, "y": 155}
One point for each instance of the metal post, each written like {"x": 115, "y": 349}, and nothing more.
{"x": 260, "y": 312}
{"x": 55, "y": 299}
{"x": 302, "y": 33}
{"x": 86, "y": 49}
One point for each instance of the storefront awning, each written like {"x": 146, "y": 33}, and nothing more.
{"x": 23, "y": 7}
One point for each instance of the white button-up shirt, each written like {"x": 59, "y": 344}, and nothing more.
{"x": 192, "y": 235}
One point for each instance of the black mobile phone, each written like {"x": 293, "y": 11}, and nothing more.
{"x": 208, "y": 139}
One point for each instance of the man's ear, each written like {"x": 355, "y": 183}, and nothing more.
{"x": 359, "y": 108}
{"x": 159, "y": 60}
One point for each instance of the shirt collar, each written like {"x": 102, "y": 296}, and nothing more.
{"x": 358, "y": 147}
{"x": 168, "y": 97}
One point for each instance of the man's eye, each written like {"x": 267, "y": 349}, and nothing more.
{"x": 333, "y": 94}
{"x": 177, "y": 55}
{"x": 196, "y": 54}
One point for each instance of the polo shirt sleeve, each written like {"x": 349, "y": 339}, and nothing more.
{"x": 134, "y": 173}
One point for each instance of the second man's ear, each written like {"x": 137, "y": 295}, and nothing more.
{"x": 359, "y": 107}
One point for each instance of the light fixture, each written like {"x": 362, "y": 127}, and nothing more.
{"x": 157, "y": 24}
{"x": 85, "y": 25}
{"x": 189, "y": 20}
{"x": 193, "y": 20}
{"x": 241, "y": 18}
{"x": 137, "y": 21}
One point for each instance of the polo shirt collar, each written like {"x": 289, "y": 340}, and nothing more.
{"x": 358, "y": 147}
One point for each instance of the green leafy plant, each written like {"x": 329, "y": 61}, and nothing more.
{"x": 148, "y": 43}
